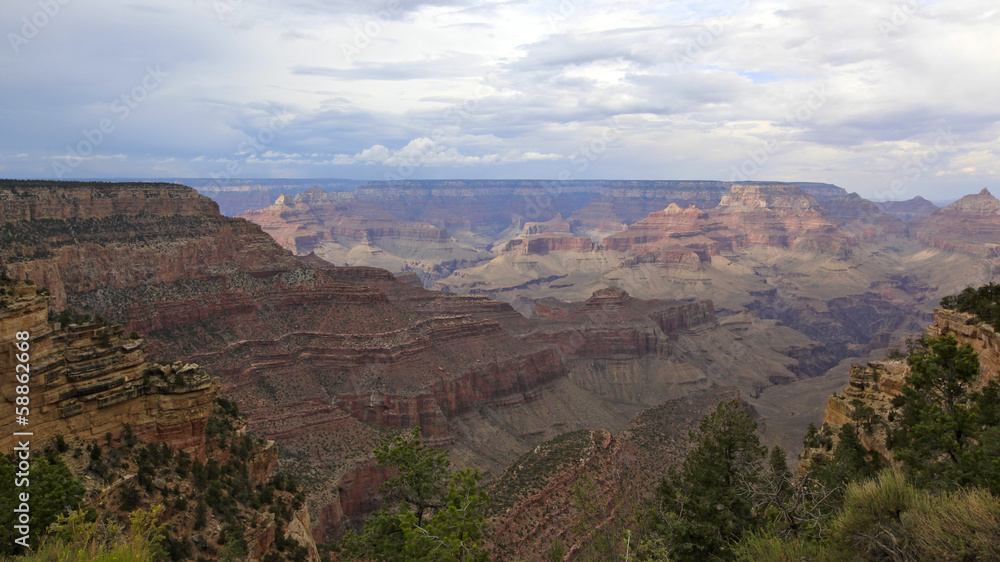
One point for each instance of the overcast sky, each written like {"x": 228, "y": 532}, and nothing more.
{"x": 889, "y": 99}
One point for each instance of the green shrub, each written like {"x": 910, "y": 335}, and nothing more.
{"x": 762, "y": 547}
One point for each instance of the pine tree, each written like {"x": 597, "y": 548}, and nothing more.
{"x": 431, "y": 512}
{"x": 702, "y": 507}
{"x": 945, "y": 427}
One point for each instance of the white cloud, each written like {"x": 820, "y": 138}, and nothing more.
{"x": 510, "y": 87}
{"x": 424, "y": 152}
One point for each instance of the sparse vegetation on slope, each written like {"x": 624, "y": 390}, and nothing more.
{"x": 984, "y": 302}
{"x": 195, "y": 509}
{"x": 431, "y": 513}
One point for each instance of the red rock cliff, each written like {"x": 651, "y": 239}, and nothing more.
{"x": 88, "y": 380}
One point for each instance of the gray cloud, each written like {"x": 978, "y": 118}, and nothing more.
{"x": 504, "y": 89}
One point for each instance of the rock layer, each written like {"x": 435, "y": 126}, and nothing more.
{"x": 970, "y": 225}
{"x": 88, "y": 380}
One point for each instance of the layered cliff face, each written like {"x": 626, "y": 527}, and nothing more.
{"x": 769, "y": 215}
{"x": 858, "y": 216}
{"x": 970, "y": 225}
{"x": 436, "y": 227}
{"x": 779, "y": 215}
{"x": 648, "y": 351}
{"x": 671, "y": 232}
{"x": 88, "y": 380}
{"x": 79, "y": 238}
{"x": 311, "y": 352}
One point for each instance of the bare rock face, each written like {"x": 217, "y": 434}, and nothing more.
{"x": 556, "y": 224}
{"x": 970, "y": 225}
{"x": 874, "y": 385}
{"x": 552, "y": 242}
{"x": 646, "y": 351}
{"x": 968, "y": 329}
{"x": 780, "y": 215}
{"x": 76, "y": 237}
{"x": 88, "y": 380}
{"x": 859, "y": 216}
{"x": 312, "y": 353}
{"x": 612, "y": 323}
{"x": 769, "y": 215}
{"x": 672, "y": 228}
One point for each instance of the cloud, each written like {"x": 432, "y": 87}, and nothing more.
{"x": 423, "y": 151}
{"x": 509, "y": 89}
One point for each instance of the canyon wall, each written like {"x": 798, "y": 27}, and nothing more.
{"x": 970, "y": 225}
{"x": 88, "y": 380}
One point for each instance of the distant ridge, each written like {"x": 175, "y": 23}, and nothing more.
{"x": 911, "y": 209}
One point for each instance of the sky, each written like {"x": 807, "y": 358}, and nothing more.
{"x": 889, "y": 99}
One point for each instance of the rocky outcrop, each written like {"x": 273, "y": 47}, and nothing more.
{"x": 550, "y": 242}
{"x": 873, "y": 385}
{"x": 260, "y": 467}
{"x": 967, "y": 328}
{"x": 299, "y": 529}
{"x": 672, "y": 231}
{"x": 612, "y": 323}
{"x": 357, "y": 496}
{"x": 876, "y": 383}
{"x": 556, "y": 225}
{"x": 88, "y": 380}
{"x": 779, "y": 215}
{"x": 970, "y": 225}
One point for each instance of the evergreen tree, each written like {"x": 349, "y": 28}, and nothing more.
{"x": 701, "y": 508}
{"x": 431, "y": 512}
{"x": 850, "y": 462}
{"x": 53, "y": 491}
{"x": 945, "y": 426}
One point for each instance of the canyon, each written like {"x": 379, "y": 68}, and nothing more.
{"x": 328, "y": 360}
{"x": 836, "y": 269}
{"x": 558, "y": 309}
